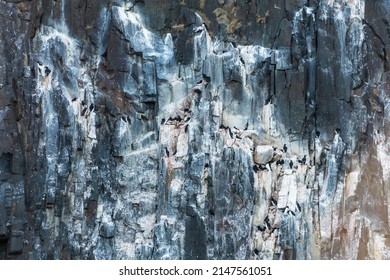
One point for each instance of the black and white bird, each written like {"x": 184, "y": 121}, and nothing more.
{"x": 285, "y": 148}
{"x": 299, "y": 207}
{"x": 303, "y": 160}
{"x": 47, "y": 71}
{"x": 166, "y": 151}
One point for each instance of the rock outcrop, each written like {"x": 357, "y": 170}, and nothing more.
{"x": 194, "y": 129}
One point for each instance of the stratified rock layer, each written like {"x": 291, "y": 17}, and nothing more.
{"x": 194, "y": 129}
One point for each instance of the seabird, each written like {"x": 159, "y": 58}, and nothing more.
{"x": 83, "y": 111}
{"x": 186, "y": 110}
{"x": 246, "y": 126}
{"x": 318, "y": 133}
{"x": 285, "y": 148}
{"x": 74, "y": 99}
{"x": 187, "y": 119}
{"x": 263, "y": 167}
{"x": 47, "y": 71}
{"x": 83, "y": 102}
{"x": 222, "y": 126}
{"x": 291, "y": 164}
{"x": 268, "y": 100}
{"x": 124, "y": 119}
{"x": 337, "y": 130}
{"x": 162, "y": 120}
{"x": 166, "y": 151}
{"x": 256, "y": 251}
{"x": 128, "y": 119}
{"x": 206, "y": 165}
{"x": 299, "y": 207}
{"x": 238, "y": 137}
{"x": 303, "y": 160}
{"x": 273, "y": 201}
{"x": 291, "y": 213}
{"x": 186, "y": 128}
{"x": 261, "y": 228}
{"x": 280, "y": 162}
{"x": 255, "y": 168}
{"x": 91, "y": 107}
{"x": 230, "y": 133}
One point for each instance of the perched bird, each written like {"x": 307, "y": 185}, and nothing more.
{"x": 255, "y": 168}
{"x": 47, "y": 71}
{"x": 230, "y": 133}
{"x": 318, "y": 133}
{"x": 91, "y": 107}
{"x": 263, "y": 167}
{"x": 166, "y": 151}
{"x": 285, "y": 148}
{"x": 303, "y": 160}
{"x": 291, "y": 164}
{"x": 162, "y": 121}
{"x": 299, "y": 207}
{"x": 261, "y": 228}
{"x": 291, "y": 213}
{"x": 246, "y": 126}
{"x": 256, "y": 251}
{"x": 186, "y": 128}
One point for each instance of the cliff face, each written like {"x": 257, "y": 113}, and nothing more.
{"x": 194, "y": 129}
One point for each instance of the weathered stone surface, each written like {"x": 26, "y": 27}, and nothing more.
{"x": 263, "y": 154}
{"x": 156, "y": 129}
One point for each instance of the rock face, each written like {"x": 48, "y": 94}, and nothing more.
{"x": 194, "y": 129}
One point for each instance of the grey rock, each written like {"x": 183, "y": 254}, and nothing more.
{"x": 84, "y": 168}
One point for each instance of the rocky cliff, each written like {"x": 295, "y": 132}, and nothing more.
{"x": 194, "y": 129}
